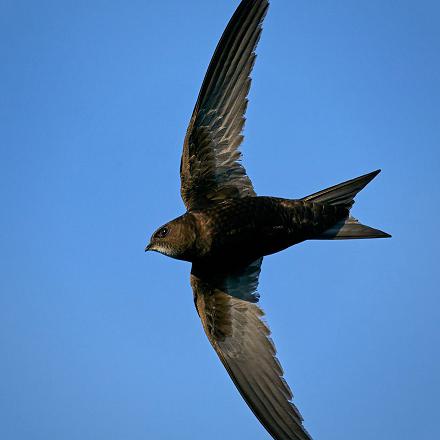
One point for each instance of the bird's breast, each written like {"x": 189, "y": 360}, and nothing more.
{"x": 249, "y": 228}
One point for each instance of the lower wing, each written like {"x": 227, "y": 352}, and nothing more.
{"x": 241, "y": 339}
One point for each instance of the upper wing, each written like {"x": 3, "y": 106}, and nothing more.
{"x": 242, "y": 341}
{"x": 210, "y": 169}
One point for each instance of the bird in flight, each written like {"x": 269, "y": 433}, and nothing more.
{"x": 227, "y": 229}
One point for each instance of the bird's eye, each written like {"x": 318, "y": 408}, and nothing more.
{"x": 162, "y": 232}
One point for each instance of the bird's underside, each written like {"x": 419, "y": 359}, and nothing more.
{"x": 227, "y": 229}
{"x": 242, "y": 230}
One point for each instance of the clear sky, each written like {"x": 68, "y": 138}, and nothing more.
{"x": 99, "y": 341}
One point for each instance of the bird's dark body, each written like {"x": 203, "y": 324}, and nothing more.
{"x": 238, "y": 231}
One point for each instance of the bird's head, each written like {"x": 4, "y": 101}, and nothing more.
{"x": 176, "y": 239}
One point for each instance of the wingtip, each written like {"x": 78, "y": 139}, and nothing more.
{"x": 381, "y": 234}
{"x": 373, "y": 174}
{"x": 368, "y": 177}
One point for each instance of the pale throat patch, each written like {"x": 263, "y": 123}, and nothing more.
{"x": 164, "y": 250}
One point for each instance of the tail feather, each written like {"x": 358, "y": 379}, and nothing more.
{"x": 344, "y": 194}
{"x": 351, "y": 229}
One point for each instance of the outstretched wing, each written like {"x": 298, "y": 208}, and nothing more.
{"x": 210, "y": 168}
{"x": 242, "y": 341}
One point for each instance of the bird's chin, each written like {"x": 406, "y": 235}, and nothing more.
{"x": 162, "y": 250}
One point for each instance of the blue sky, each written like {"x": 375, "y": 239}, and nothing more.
{"x": 101, "y": 341}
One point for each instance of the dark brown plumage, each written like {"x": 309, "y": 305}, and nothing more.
{"x": 227, "y": 229}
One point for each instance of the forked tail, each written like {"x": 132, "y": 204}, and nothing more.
{"x": 344, "y": 194}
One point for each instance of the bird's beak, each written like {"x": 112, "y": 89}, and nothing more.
{"x": 148, "y": 247}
